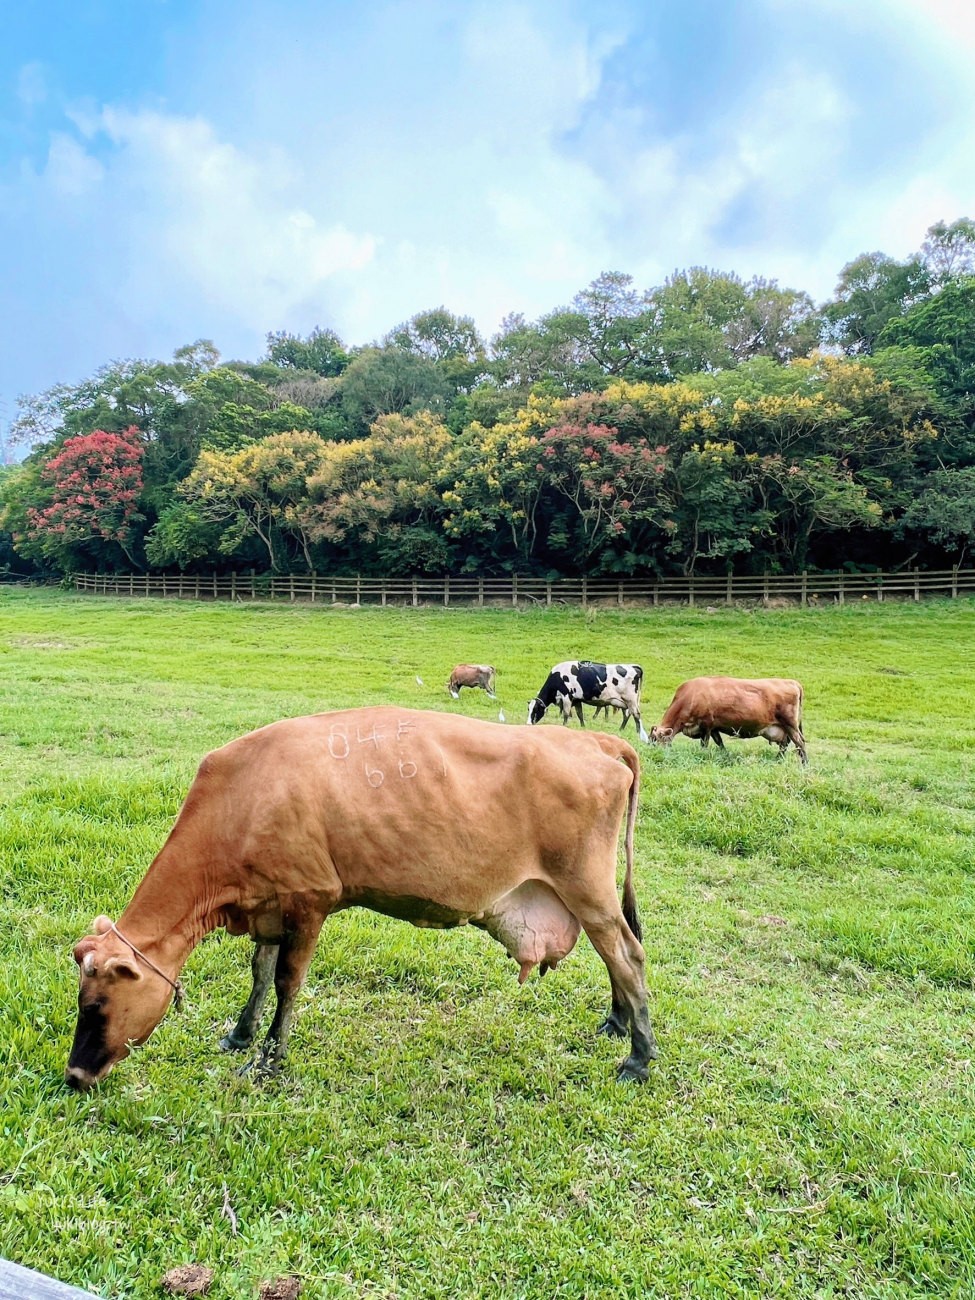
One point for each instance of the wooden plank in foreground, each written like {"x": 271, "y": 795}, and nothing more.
{"x": 17, "y": 1283}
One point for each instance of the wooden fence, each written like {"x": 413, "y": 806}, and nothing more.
{"x": 764, "y": 589}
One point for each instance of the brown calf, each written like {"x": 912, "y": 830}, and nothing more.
{"x": 480, "y": 676}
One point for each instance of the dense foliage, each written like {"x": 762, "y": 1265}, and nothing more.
{"x": 705, "y": 424}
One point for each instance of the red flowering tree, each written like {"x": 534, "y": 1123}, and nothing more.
{"x": 613, "y": 491}
{"x": 90, "y": 511}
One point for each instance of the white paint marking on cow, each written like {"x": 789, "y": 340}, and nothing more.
{"x": 337, "y": 734}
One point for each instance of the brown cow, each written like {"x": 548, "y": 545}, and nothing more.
{"x": 472, "y": 675}
{"x": 706, "y": 707}
{"x": 436, "y": 819}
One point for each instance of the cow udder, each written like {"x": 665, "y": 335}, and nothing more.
{"x": 533, "y": 924}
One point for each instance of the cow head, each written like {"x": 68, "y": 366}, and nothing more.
{"x": 120, "y": 1002}
{"x": 536, "y": 711}
{"x": 661, "y": 735}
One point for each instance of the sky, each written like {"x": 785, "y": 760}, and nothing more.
{"x": 181, "y": 169}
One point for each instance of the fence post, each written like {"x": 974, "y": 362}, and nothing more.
{"x": 803, "y": 598}
{"x": 382, "y": 591}
{"x": 446, "y": 589}
{"x": 253, "y": 584}
{"x": 314, "y": 582}
{"x": 656, "y": 594}
{"x": 880, "y": 588}
{"x": 480, "y": 591}
{"x": 233, "y": 586}
{"x": 514, "y": 591}
{"x": 415, "y": 601}
{"x": 548, "y": 593}
{"x": 917, "y": 583}
{"x": 690, "y": 590}
{"x": 729, "y": 598}
{"x": 765, "y": 588}
{"x": 619, "y": 594}
{"x": 841, "y": 596}
{"x": 954, "y": 581}
{"x": 585, "y": 593}
{"x": 291, "y": 587}
{"x": 358, "y": 588}
{"x": 215, "y": 592}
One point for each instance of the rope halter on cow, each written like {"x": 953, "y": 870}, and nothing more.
{"x": 175, "y": 985}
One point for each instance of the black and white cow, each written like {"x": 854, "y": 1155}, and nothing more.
{"x": 574, "y": 683}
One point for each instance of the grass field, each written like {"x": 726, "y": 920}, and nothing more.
{"x": 438, "y": 1132}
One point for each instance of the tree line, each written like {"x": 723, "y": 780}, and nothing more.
{"x": 707, "y": 424}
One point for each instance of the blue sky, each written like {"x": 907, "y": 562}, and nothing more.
{"x": 177, "y": 169}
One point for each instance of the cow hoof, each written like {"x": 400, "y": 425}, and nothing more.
{"x": 260, "y": 1069}
{"x": 631, "y": 1071}
{"x": 612, "y": 1028}
{"x": 231, "y": 1044}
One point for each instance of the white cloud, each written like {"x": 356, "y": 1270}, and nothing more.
{"x": 70, "y": 171}
{"x": 196, "y": 215}
{"x": 32, "y": 84}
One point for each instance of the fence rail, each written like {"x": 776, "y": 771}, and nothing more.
{"x": 803, "y": 588}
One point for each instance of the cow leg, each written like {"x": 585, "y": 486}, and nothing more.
{"x": 623, "y": 955}
{"x": 577, "y": 705}
{"x": 799, "y": 740}
{"x": 294, "y": 957}
{"x": 262, "y": 967}
{"x": 616, "y": 1023}
{"x": 717, "y": 739}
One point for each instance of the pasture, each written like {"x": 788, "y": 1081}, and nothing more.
{"x": 438, "y": 1132}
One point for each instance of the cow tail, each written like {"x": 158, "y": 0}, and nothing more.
{"x": 632, "y": 761}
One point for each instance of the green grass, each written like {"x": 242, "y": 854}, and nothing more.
{"x": 439, "y": 1132}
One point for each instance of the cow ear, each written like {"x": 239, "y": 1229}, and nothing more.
{"x": 122, "y": 967}
{"x": 101, "y": 924}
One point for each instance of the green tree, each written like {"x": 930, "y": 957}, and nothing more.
{"x": 873, "y": 289}
{"x": 184, "y": 537}
{"x": 707, "y": 497}
{"x": 551, "y": 352}
{"x": 391, "y": 381}
{"x": 944, "y": 325}
{"x": 944, "y": 512}
{"x": 451, "y": 342}
{"x": 322, "y": 352}
{"x": 616, "y": 330}
{"x": 949, "y": 250}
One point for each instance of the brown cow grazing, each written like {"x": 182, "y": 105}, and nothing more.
{"x": 480, "y": 676}
{"x": 707, "y": 707}
{"x": 376, "y": 808}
